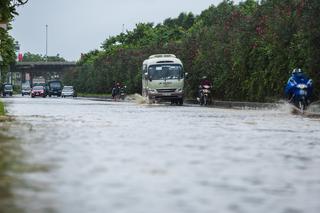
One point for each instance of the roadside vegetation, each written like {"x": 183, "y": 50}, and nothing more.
{"x": 7, "y": 45}
{"x": 3, "y": 117}
{"x": 6, "y": 51}
{"x": 248, "y": 50}
{"x": 2, "y": 110}
{"x": 30, "y": 57}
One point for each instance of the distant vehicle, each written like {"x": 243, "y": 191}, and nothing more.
{"x": 163, "y": 79}
{"x": 68, "y": 91}
{"x": 25, "y": 90}
{"x": 38, "y": 91}
{"x": 45, "y": 86}
{"x": 55, "y": 88}
{"x": 7, "y": 90}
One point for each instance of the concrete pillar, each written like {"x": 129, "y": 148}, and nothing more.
{"x": 23, "y": 77}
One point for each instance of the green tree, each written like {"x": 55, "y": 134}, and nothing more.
{"x": 246, "y": 49}
{"x": 8, "y": 9}
{"x": 6, "y": 51}
{"x": 30, "y": 57}
{"x": 7, "y": 12}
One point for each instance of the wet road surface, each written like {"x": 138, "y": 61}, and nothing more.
{"x": 89, "y": 156}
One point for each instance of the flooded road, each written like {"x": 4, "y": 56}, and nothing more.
{"x": 90, "y": 156}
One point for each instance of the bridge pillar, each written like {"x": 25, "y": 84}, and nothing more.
{"x": 23, "y": 76}
{"x": 31, "y": 78}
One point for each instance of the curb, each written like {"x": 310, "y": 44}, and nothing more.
{"x": 236, "y": 104}
{"x": 222, "y": 104}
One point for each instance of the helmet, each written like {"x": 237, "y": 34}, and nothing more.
{"x": 297, "y": 71}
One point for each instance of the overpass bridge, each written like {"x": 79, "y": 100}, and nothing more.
{"x": 28, "y": 71}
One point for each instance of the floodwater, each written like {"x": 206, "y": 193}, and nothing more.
{"x": 76, "y": 155}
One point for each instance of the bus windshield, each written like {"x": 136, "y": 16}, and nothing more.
{"x": 8, "y": 87}
{"x": 55, "y": 84}
{"x": 165, "y": 71}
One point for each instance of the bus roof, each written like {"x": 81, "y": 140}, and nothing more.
{"x": 162, "y": 59}
{"x": 162, "y": 56}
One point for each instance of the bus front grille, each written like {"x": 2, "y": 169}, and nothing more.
{"x": 165, "y": 90}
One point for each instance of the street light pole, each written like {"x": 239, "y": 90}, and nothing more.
{"x": 1, "y": 60}
{"x": 46, "y": 42}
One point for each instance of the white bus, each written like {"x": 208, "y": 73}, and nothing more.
{"x": 163, "y": 79}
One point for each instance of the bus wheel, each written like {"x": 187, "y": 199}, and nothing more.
{"x": 180, "y": 101}
{"x": 149, "y": 100}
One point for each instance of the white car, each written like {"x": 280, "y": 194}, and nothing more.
{"x": 68, "y": 91}
{"x": 25, "y": 91}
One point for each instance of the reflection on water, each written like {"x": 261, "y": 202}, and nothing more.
{"x": 137, "y": 158}
{"x": 9, "y": 160}
{"x": 12, "y": 166}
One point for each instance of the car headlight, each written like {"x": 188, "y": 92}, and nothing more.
{"x": 302, "y": 86}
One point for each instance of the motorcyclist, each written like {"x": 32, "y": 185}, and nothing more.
{"x": 204, "y": 82}
{"x": 297, "y": 77}
{"x": 122, "y": 92}
{"x": 116, "y": 91}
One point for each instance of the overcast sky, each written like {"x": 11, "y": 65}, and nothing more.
{"x": 78, "y": 26}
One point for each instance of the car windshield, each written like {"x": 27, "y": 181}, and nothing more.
{"x": 38, "y": 88}
{"x": 8, "y": 87}
{"x": 165, "y": 71}
{"x": 67, "y": 88}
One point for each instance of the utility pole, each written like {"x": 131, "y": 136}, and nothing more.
{"x": 46, "y": 42}
{"x": 1, "y": 60}
{"x": 122, "y": 28}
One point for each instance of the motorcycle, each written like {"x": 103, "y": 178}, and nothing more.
{"x": 300, "y": 93}
{"x": 123, "y": 92}
{"x": 204, "y": 95}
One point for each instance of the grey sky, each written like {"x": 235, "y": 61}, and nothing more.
{"x": 77, "y": 27}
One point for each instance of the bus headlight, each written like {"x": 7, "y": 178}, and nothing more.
{"x": 152, "y": 91}
{"x": 179, "y": 90}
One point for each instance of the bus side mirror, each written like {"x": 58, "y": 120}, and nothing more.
{"x": 186, "y": 75}
{"x": 147, "y": 77}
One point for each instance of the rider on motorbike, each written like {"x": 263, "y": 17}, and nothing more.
{"x": 298, "y": 78}
{"x": 204, "y": 90}
{"x": 205, "y": 81}
{"x": 123, "y": 92}
{"x": 116, "y": 91}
